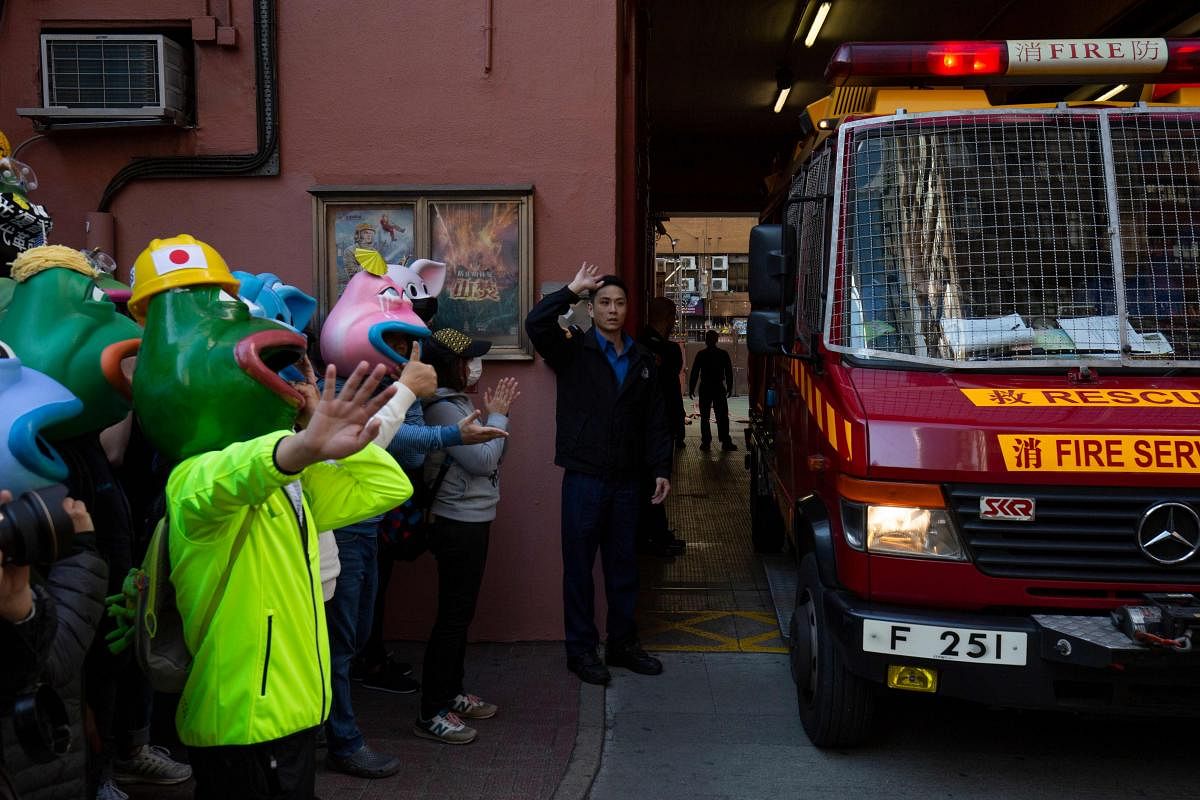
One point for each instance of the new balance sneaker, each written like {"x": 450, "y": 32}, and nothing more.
{"x": 469, "y": 706}
{"x": 151, "y": 764}
{"x": 109, "y": 791}
{"x": 445, "y": 727}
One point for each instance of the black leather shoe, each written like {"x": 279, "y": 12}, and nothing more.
{"x": 366, "y": 763}
{"x": 631, "y": 656}
{"x": 589, "y": 668}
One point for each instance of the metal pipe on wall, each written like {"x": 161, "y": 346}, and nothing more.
{"x": 488, "y": 27}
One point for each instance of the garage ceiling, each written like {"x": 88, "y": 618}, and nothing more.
{"x": 711, "y": 65}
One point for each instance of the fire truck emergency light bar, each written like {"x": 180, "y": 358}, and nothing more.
{"x": 1143, "y": 60}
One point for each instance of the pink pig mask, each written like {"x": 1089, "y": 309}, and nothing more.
{"x": 369, "y": 317}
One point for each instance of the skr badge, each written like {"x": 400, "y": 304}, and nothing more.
{"x": 1020, "y": 509}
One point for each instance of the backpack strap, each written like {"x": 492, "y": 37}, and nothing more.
{"x": 219, "y": 592}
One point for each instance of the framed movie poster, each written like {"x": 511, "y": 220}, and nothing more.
{"x": 484, "y": 236}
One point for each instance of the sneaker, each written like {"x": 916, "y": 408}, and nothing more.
{"x": 589, "y": 668}
{"x": 471, "y": 706}
{"x": 631, "y": 656}
{"x": 444, "y": 727}
{"x": 728, "y": 447}
{"x": 391, "y": 677}
{"x": 109, "y": 791}
{"x": 359, "y": 669}
{"x": 151, "y": 764}
{"x": 366, "y": 763}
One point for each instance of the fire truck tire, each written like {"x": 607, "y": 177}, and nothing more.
{"x": 766, "y": 523}
{"x": 836, "y": 706}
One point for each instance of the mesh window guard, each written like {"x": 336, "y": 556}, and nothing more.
{"x": 1019, "y": 236}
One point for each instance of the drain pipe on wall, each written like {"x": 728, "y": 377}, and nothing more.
{"x": 488, "y": 28}
{"x": 265, "y": 161}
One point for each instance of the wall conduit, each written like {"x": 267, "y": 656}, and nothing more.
{"x": 265, "y": 161}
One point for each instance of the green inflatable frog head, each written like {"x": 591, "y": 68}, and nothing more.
{"x": 207, "y": 372}
{"x": 60, "y": 323}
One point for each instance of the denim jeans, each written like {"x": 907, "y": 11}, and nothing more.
{"x": 599, "y": 513}
{"x": 461, "y": 552}
{"x": 348, "y": 616}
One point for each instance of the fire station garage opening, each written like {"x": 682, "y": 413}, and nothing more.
{"x": 720, "y": 125}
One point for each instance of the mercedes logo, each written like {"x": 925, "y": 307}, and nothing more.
{"x": 1169, "y": 533}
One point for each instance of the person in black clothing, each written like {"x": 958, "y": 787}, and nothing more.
{"x": 610, "y": 432}
{"x": 713, "y": 369}
{"x": 46, "y": 626}
{"x": 655, "y": 535}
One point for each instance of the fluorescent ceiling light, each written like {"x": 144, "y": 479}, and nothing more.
{"x": 818, "y": 21}
{"x": 783, "y": 96}
{"x": 1111, "y": 93}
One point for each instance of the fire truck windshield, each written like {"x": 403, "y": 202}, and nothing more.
{"x": 1022, "y": 235}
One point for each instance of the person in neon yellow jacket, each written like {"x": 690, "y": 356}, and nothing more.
{"x": 208, "y": 394}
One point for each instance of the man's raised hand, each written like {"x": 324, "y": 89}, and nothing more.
{"x": 341, "y": 424}
{"x": 586, "y": 280}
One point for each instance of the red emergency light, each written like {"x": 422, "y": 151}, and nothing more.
{"x": 1135, "y": 60}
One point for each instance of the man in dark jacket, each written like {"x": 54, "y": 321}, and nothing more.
{"x": 714, "y": 371}
{"x": 654, "y": 532}
{"x": 610, "y": 431}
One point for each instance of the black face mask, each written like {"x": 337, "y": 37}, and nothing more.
{"x": 425, "y": 308}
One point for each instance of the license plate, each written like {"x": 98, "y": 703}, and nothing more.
{"x": 945, "y": 644}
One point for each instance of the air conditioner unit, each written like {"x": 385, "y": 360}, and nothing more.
{"x": 660, "y": 266}
{"x": 720, "y": 284}
{"x": 720, "y": 263}
{"x": 90, "y": 79}
{"x": 687, "y": 284}
{"x": 688, "y": 262}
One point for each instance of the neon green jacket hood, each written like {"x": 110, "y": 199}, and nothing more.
{"x": 261, "y": 669}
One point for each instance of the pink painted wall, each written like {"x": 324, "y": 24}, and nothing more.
{"x": 386, "y": 93}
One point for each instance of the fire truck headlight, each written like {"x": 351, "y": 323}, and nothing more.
{"x": 919, "y": 532}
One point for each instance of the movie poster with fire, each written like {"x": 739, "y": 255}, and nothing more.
{"x": 480, "y": 244}
{"x": 386, "y": 229}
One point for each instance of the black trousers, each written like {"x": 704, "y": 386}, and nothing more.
{"x": 715, "y": 400}
{"x": 461, "y": 552}
{"x": 281, "y": 769}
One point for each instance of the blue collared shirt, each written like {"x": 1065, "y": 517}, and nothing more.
{"x": 619, "y": 363}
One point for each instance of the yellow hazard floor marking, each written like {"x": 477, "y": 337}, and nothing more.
{"x": 663, "y": 630}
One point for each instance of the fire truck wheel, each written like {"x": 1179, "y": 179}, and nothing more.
{"x": 766, "y": 524}
{"x": 835, "y": 705}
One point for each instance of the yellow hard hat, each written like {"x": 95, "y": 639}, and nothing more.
{"x": 172, "y": 263}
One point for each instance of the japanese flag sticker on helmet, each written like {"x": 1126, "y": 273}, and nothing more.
{"x": 174, "y": 263}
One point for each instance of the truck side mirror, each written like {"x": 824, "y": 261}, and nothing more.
{"x": 768, "y": 268}
{"x": 766, "y": 333}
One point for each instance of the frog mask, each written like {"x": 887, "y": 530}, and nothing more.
{"x": 60, "y": 323}
{"x": 207, "y": 372}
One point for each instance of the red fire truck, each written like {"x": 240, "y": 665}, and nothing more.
{"x": 975, "y": 375}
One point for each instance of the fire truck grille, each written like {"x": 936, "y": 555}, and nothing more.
{"x": 977, "y": 239}
{"x": 1085, "y": 534}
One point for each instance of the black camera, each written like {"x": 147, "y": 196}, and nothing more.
{"x": 34, "y": 529}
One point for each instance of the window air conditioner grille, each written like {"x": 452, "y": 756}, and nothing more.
{"x": 118, "y": 71}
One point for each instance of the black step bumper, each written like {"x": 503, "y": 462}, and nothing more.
{"x": 1073, "y": 661}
